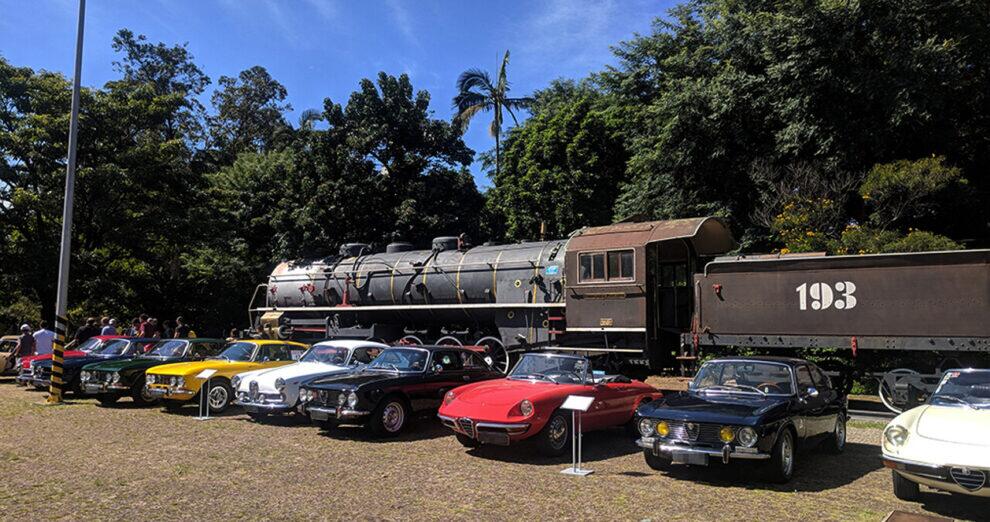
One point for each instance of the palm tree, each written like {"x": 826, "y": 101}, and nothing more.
{"x": 477, "y": 93}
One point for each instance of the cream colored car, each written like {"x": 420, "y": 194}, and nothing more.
{"x": 944, "y": 444}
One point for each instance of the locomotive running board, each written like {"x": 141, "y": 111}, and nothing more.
{"x": 586, "y": 349}
{"x": 379, "y": 308}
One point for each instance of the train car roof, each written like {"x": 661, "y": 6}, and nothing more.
{"x": 708, "y": 235}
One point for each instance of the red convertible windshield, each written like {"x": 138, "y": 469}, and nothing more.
{"x": 554, "y": 368}
{"x": 969, "y": 388}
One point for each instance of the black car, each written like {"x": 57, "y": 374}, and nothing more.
{"x": 113, "y": 349}
{"x": 401, "y": 381}
{"x": 745, "y": 408}
{"x": 109, "y": 380}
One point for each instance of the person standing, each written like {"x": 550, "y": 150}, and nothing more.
{"x": 135, "y": 329}
{"x": 167, "y": 331}
{"x": 147, "y": 329}
{"x": 43, "y": 339}
{"x": 25, "y": 344}
{"x": 84, "y": 333}
{"x": 108, "y": 326}
{"x": 181, "y": 328}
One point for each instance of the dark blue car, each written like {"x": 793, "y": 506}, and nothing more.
{"x": 122, "y": 348}
{"x": 745, "y": 408}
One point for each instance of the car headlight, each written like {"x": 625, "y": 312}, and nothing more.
{"x": 180, "y": 382}
{"x": 279, "y": 384}
{"x": 84, "y": 376}
{"x": 747, "y": 437}
{"x": 526, "y": 408}
{"x": 352, "y": 399}
{"x": 727, "y": 434}
{"x": 646, "y": 427}
{"x": 116, "y": 377}
{"x": 342, "y": 399}
{"x": 895, "y": 435}
{"x": 449, "y": 397}
{"x": 303, "y": 395}
{"x": 236, "y": 382}
{"x": 663, "y": 429}
{"x": 149, "y": 378}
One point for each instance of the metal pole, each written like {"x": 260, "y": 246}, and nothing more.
{"x": 61, "y": 324}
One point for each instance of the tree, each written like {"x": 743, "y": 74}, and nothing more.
{"x": 477, "y": 93}
{"x": 250, "y": 114}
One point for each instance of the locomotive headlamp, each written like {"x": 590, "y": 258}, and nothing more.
{"x": 352, "y": 399}
{"x": 895, "y": 435}
{"x": 526, "y": 408}
{"x": 663, "y": 429}
{"x": 747, "y": 437}
{"x": 645, "y": 427}
{"x": 727, "y": 434}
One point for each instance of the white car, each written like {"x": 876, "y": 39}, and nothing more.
{"x": 944, "y": 444}
{"x": 276, "y": 390}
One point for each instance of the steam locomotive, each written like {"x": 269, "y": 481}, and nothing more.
{"x": 651, "y": 294}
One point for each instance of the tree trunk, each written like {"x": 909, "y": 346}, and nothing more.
{"x": 498, "y": 153}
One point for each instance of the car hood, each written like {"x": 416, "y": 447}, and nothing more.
{"x": 26, "y": 361}
{"x": 509, "y": 392}
{"x": 195, "y": 367}
{"x": 292, "y": 374}
{"x": 714, "y": 408}
{"x": 954, "y": 424}
{"x": 359, "y": 378}
{"x": 137, "y": 363}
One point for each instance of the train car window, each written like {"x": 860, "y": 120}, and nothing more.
{"x": 592, "y": 267}
{"x": 620, "y": 265}
{"x": 673, "y": 275}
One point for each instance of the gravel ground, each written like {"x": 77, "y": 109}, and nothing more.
{"x": 82, "y": 461}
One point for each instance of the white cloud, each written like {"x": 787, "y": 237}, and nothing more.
{"x": 403, "y": 21}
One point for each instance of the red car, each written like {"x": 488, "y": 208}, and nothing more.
{"x": 527, "y": 403}
{"x": 24, "y": 377}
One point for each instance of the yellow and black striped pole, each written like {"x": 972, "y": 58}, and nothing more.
{"x": 58, "y": 349}
{"x": 58, "y": 346}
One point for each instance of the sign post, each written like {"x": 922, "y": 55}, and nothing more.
{"x": 577, "y": 404}
{"x": 204, "y": 394}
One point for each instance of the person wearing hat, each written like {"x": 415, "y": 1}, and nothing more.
{"x": 25, "y": 344}
{"x": 109, "y": 326}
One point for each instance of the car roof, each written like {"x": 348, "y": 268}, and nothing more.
{"x": 10, "y": 338}
{"x": 790, "y": 361}
{"x": 269, "y": 341}
{"x": 349, "y": 343}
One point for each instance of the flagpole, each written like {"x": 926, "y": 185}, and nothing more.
{"x": 61, "y": 323}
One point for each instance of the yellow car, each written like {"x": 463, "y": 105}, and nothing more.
{"x": 179, "y": 382}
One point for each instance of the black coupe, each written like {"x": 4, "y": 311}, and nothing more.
{"x": 401, "y": 381}
{"x": 745, "y": 408}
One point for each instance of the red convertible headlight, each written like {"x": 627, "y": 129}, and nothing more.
{"x": 449, "y": 397}
{"x": 526, "y": 408}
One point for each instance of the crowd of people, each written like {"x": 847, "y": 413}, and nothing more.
{"x": 41, "y": 341}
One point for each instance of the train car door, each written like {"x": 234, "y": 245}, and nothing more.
{"x": 669, "y": 270}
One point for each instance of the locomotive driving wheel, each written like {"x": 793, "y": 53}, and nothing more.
{"x": 449, "y": 340}
{"x": 887, "y": 392}
{"x": 496, "y": 354}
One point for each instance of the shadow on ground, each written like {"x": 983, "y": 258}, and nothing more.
{"x": 423, "y": 426}
{"x": 597, "y": 446}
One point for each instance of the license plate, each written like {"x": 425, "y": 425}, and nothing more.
{"x": 93, "y": 388}
{"x": 488, "y": 437}
{"x": 319, "y": 415}
{"x": 685, "y": 457}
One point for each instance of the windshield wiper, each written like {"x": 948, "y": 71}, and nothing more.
{"x": 960, "y": 400}
{"x": 736, "y": 387}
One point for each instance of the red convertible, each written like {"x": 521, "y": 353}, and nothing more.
{"x": 527, "y": 403}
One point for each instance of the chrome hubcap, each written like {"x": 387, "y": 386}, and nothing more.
{"x": 393, "y": 417}
{"x": 218, "y": 397}
{"x": 840, "y": 432}
{"x": 787, "y": 455}
{"x": 558, "y": 432}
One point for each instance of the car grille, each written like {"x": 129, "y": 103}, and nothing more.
{"x": 466, "y": 425}
{"x": 253, "y": 390}
{"x": 969, "y": 479}
{"x": 42, "y": 373}
{"x": 694, "y": 432}
{"x": 328, "y": 398}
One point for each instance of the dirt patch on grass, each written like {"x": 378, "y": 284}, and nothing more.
{"x": 83, "y": 461}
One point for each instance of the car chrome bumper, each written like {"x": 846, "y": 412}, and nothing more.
{"x": 169, "y": 393}
{"x": 91, "y": 388}
{"x": 499, "y": 433}
{"x": 323, "y": 413}
{"x": 938, "y": 476}
{"x": 726, "y": 453}
{"x": 263, "y": 407}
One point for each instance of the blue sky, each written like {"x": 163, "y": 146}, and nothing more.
{"x": 322, "y": 48}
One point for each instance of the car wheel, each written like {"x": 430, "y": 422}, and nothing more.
{"x": 389, "y": 417}
{"x": 904, "y": 489}
{"x": 140, "y": 395}
{"x": 219, "y": 396}
{"x": 555, "y": 437}
{"x": 781, "y": 465}
{"x": 656, "y": 462}
{"x": 107, "y": 400}
{"x": 466, "y": 441}
{"x": 837, "y": 441}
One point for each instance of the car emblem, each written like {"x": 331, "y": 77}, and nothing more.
{"x": 253, "y": 390}
{"x": 692, "y": 430}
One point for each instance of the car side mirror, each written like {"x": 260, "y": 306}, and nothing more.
{"x": 812, "y": 392}
{"x": 438, "y": 369}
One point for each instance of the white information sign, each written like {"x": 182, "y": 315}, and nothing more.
{"x": 577, "y": 402}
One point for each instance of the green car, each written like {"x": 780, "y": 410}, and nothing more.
{"x": 111, "y": 380}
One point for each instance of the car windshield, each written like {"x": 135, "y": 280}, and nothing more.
{"x": 7, "y": 346}
{"x": 553, "y": 368}
{"x": 168, "y": 349}
{"x": 400, "y": 360}
{"x": 326, "y": 354}
{"x": 970, "y": 388}
{"x": 111, "y": 348}
{"x": 753, "y": 377}
{"x": 89, "y": 345}
{"x": 238, "y": 352}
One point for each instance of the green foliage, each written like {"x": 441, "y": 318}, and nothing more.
{"x": 907, "y": 192}
{"x": 798, "y": 226}
{"x": 250, "y": 114}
